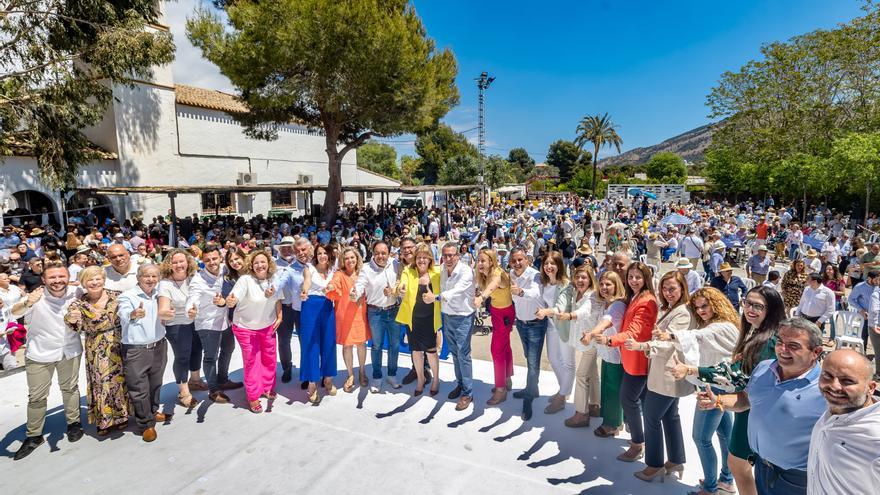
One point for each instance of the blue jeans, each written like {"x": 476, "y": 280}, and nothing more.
{"x": 457, "y": 330}
{"x": 771, "y": 480}
{"x": 532, "y": 335}
{"x": 707, "y": 424}
{"x": 382, "y": 326}
{"x": 793, "y": 251}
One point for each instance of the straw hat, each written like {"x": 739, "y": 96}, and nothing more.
{"x": 685, "y": 263}
{"x": 811, "y": 253}
{"x": 725, "y": 267}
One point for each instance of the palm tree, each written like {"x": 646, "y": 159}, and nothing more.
{"x": 600, "y": 131}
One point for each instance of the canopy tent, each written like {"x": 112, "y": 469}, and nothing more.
{"x": 676, "y": 219}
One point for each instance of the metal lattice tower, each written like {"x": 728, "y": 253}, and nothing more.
{"x": 483, "y": 83}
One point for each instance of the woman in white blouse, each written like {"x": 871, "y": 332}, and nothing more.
{"x": 613, "y": 296}
{"x": 256, "y": 317}
{"x": 661, "y": 400}
{"x": 177, "y": 271}
{"x": 559, "y": 350}
{"x": 577, "y": 310}
{"x": 713, "y": 341}
{"x": 318, "y": 325}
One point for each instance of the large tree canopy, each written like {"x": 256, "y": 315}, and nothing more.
{"x": 788, "y": 116}
{"x": 378, "y": 157}
{"x": 56, "y": 60}
{"x": 667, "y": 168}
{"x": 355, "y": 69}
{"x": 437, "y": 147}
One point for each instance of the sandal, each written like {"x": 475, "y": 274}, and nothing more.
{"x": 604, "y": 432}
{"x": 103, "y": 432}
{"x": 272, "y": 395}
{"x": 255, "y": 406}
{"x": 122, "y": 426}
{"x": 348, "y": 387}
{"x": 331, "y": 390}
{"x": 190, "y": 403}
{"x": 314, "y": 398}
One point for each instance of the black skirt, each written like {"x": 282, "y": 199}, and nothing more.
{"x": 421, "y": 334}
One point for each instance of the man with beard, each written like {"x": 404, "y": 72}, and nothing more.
{"x": 52, "y": 348}
{"x": 845, "y": 444}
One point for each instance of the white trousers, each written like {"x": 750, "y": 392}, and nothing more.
{"x": 561, "y": 357}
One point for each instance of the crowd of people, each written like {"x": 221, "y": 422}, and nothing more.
{"x": 624, "y": 338}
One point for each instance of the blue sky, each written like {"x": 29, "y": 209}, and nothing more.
{"x": 649, "y": 64}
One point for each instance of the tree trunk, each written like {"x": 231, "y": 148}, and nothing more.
{"x": 595, "y": 167}
{"x": 334, "y": 182}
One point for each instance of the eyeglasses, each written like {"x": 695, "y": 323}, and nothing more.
{"x": 755, "y": 306}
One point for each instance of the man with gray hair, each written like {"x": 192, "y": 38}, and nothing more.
{"x": 456, "y": 298}
{"x": 785, "y": 402}
{"x": 845, "y": 444}
{"x": 293, "y": 255}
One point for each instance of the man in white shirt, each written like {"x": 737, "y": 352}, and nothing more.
{"x": 817, "y": 301}
{"x": 456, "y": 297}
{"x": 812, "y": 263}
{"x": 78, "y": 262}
{"x": 525, "y": 286}
{"x": 845, "y": 443}
{"x": 121, "y": 275}
{"x": 212, "y": 324}
{"x": 694, "y": 280}
{"x": 692, "y": 248}
{"x": 293, "y": 255}
{"x": 144, "y": 349}
{"x": 377, "y": 281}
{"x": 52, "y": 347}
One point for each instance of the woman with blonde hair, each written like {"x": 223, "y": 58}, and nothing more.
{"x": 94, "y": 315}
{"x": 612, "y": 295}
{"x": 577, "y": 310}
{"x": 713, "y": 341}
{"x": 493, "y": 282}
{"x": 256, "y": 317}
{"x": 661, "y": 400}
{"x": 352, "y": 329}
{"x": 793, "y": 284}
{"x": 422, "y": 319}
{"x": 177, "y": 271}
{"x": 318, "y": 325}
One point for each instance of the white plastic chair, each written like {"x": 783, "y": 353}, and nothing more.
{"x": 749, "y": 283}
{"x": 655, "y": 270}
{"x": 849, "y": 330}
{"x": 643, "y": 258}
{"x": 793, "y": 312}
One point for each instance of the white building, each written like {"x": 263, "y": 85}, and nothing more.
{"x": 159, "y": 133}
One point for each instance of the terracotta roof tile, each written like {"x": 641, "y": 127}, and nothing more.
{"x": 20, "y": 144}
{"x": 208, "y": 98}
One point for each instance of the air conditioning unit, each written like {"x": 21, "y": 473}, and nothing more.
{"x": 246, "y": 179}
{"x": 306, "y": 180}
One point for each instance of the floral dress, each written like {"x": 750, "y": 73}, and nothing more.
{"x": 107, "y": 396}
{"x": 792, "y": 288}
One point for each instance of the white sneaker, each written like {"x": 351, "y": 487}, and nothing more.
{"x": 376, "y": 386}
{"x": 393, "y": 382}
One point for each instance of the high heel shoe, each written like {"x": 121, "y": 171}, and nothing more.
{"x": 190, "y": 401}
{"x": 348, "y": 387}
{"x": 330, "y": 387}
{"x": 632, "y": 454}
{"x": 673, "y": 469}
{"x": 659, "y": 473}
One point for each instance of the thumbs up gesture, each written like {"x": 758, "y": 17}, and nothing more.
{"x": 269, "y": 292}
{"x": 388, "y": 290}
{"x": 218, "y": 300}
{"x": 677, "y": 369}
{"x": 231, "y": 301}
{"x": 429, "y": 297}
{"x": 706, "y": 399}
{"x": 74, "y": 316}
{"x": 632, "y": 344}
{"x": 586, "y": 337}
{"x": 139, "y": 312}
{"x": 34, "y": 296}
{"x": 192, "y": 312}
{"x": 352, "y": 295}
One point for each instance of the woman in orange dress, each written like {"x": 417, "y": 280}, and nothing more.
{"x": 352, "y": 329}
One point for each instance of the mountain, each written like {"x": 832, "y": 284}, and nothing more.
{"x": 690, "y": 145}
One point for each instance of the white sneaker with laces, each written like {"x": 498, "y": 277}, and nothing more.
{"x": 393, "y": 382}
{"x": 376, "y": 386}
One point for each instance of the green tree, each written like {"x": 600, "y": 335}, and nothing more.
{"x": 498, "y": 171}
{"x": 525, "y": 164}
{"x": 355, "y": 69}
{"x": 436, "y": 147}
{"x": 601, "y": 131}
{"x": 380, "y": 158}
{"x": 563, "y": 155}
{"x": 667, "y": 168}
{"x": 461, "y": 169}
{"x": 60, "y": 60}
{"x": 858, "y": 154}
{"x": 409, "y": 169}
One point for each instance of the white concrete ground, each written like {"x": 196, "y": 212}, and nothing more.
{"x": 357, "y": 443}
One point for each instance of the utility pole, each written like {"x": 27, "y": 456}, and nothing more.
{"x": 483, "y": 83}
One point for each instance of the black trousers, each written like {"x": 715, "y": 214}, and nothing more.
{"x": 632, "y": 394}
{"x": 144, "y": 369}
{"x": 218, "y": 347}
{"x": 289, "y": 321}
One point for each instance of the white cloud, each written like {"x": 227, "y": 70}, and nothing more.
{"x": 189, "y": 66}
